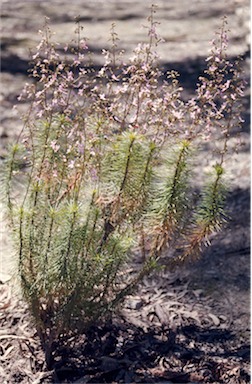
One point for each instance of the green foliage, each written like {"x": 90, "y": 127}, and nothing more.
{"x": 108, "y": 176}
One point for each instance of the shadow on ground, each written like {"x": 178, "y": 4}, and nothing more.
{"x": 124, "y": 353}
{"x": 226, "y": 263}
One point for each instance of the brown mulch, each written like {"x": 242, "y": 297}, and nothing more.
{"x": 161, "y": 336}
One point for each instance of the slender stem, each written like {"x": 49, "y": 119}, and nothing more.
{"x": 127, "y": 165}
{"x": 177, "y": 174}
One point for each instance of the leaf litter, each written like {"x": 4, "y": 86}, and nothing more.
{"x": 165, "y": 333}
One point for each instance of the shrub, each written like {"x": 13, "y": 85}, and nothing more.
{"x": 107, "y": 161}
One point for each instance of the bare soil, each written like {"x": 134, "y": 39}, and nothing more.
{"x": 191, "y": 325}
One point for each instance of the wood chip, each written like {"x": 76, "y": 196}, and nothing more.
{"x": 215, "y": 319}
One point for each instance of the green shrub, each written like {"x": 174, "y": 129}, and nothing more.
{"x": 107, "y": 162}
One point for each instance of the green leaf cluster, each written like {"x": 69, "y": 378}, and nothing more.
{"x": 108, "y": 192}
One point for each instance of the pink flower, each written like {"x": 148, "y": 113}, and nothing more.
{"x": 152, "y": 32}
{"x": 70, "y": 76}
{"x": 60, "y": 67}
{"x": 83, "y": 44}
{"x": 226, "y": 85}
{"x": 81, "y": 148}
{"x": 55, "y": 147}
{"x": 40, "y": 113}
{"x": 71, "y": 164}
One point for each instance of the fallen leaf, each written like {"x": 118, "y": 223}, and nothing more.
{"x": 161, "y": 314}
{"x": 215, "y": 319}
{"x": 6, "y": 353}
